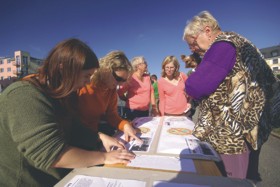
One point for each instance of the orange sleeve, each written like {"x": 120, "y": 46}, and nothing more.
{"x": 122, "y": 123}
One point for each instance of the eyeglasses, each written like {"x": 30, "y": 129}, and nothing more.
{"x": 118, "y": 78}
{"x": 169, "y": 67}
{"x": 194, "y": 43}
{"x": 143, "y": 63}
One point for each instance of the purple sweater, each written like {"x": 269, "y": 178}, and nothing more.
{"x": 216, "y": 64}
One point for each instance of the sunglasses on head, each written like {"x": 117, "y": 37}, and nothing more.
{"x": 117, "y": 78}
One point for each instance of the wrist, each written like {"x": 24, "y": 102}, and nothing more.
{"x": 122, "y": 124}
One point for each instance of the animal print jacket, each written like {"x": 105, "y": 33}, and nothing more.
{"x": 239, "y": 109}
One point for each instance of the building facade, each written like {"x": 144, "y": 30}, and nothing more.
{"x": 272, "y": 57}
{"x": 13, "y": 68}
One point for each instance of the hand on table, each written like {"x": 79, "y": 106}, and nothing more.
{"x": 109, "y": 142}
{"x": 130, "y": 133}
{"x": 121, "y": 156}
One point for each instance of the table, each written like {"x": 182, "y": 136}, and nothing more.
{"x": 150, "y": 176}
{"x": 206, "y": 172}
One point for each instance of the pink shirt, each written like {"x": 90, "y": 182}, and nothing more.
{"x": 138, "y": 93}
{"x": 172, "y": 98}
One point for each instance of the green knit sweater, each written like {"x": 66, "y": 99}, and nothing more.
{"x": 30, "y": 138}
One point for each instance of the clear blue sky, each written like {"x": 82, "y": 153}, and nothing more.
{"x": 150, "y": 28}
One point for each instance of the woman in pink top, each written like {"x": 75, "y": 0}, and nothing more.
{"x": 171, "y": 88}
{"x": 138, "y": 91}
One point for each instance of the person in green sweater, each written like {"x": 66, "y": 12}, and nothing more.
{"x": 41, "y": 138}
{"x": 155, "y": 85}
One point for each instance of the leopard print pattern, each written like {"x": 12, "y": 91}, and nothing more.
{"x": 235, "y": 111}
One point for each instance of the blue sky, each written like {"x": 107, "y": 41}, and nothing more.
{"x": 149, "y": 28}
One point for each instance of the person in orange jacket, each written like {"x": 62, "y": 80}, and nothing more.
{"x": 98, "y": 100}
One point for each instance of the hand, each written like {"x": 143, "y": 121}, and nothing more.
{"x": 189, "y": 106}
{"x": 109, "y": 142}
{"x": 130, "y": 133}
{"x": 118, "y": 156}
{"x": 155, "y": 112}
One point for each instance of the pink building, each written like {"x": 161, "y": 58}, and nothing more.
{"x": 13, "y": 68}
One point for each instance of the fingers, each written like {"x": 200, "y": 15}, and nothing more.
{"x": 107, "y": 148}
{"x": 125, "y": 155}
{"x": 120, "y": 145}
{"x": 136, "y": 139}
{"x": 138, "y": 130}
{"x": 119, "y": 156}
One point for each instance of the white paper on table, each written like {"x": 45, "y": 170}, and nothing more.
{"x": 172, "y": 184}
{"x": 173, "y": 134}
{"x": 88, "y": 181}
{"x": 198, "y": 147}
{"x": 136, "y": 146}
{"x": 163, "y": 163}
{"x": 203, "y": 149}
{"x": 148, "y": 127}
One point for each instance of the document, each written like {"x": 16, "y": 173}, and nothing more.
{"x": 88, "y": 181}
{"x": 147, "y": 127}
{"x": 176, "y": 138}
{"x": 136, "y": 146}
{"x": 163, "y": 163}
{"x": 173, "y": 134}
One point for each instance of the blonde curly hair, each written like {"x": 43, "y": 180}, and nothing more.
{"x": 113, "y": 61}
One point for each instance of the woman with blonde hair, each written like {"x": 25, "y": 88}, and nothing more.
{"x": 138, "y": 91}
{"x": 98, "y": 100}
{"x": 171, "y": 87}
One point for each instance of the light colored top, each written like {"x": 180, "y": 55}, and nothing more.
{"x": 96, "y": 104}
{"x": 138, "y": 93}
{"x": 173, "y": 98}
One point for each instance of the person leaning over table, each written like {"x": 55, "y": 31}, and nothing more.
{"x": 171, "y": 87}
{"x": 38, "y": 136}
{"x": 235, "y": 85}
{"x": 138, "y": 91}
{"x": 98, "y": 100}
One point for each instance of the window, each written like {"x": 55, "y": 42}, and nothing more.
{"x": 9, "y": 69}
{"x": 9, "y": 78}
{"x": 1, "y": 62}
{"x": 24, "y": 60}
{"x": 275, "y": 68}
{"x": 17, "y": 59}
{"x": 275, "y": 61}
{"x": 274, "y": 53}
{"x": 1, "y": 70}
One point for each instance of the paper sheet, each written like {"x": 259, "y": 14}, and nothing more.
{"x": 163, "y": 163}
{"x": 173, "y": 134}
{"x": 148, "y": 127}
{"x": 88, "y": 181}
